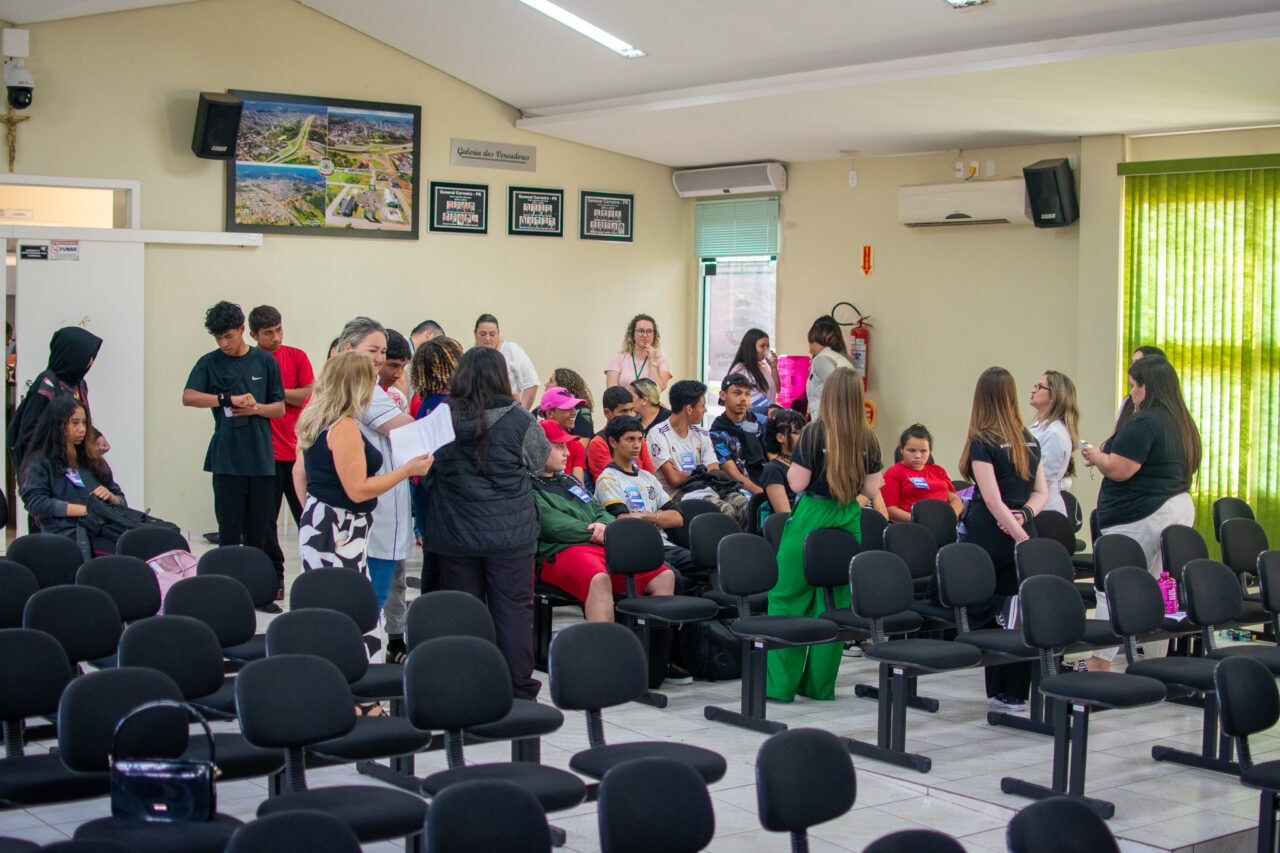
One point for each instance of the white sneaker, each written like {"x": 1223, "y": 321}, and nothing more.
{"x": 853, "y": 651}
{"x": 1008, "y": 703}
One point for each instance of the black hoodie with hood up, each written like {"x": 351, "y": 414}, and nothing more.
{"x": 71, "y": 349}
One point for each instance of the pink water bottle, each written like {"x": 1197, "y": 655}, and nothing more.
{"x": 1169, "y": 587}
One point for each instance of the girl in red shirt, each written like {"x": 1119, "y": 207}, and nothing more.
{"x": 915, "y": 477}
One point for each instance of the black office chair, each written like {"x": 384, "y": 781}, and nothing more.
{"x": 1269, "y": 587}
{"x": 149, "y": 540}
{"x": 917, "y": 546}
{"x": 872, "y": 526}
{"x": 1214, "y": 601}
{"x": 1059, "y": 825}
{"x": 224, "y": 604}
{"x": 17, "y": 584}
{"x": 130, "y": 582}
{"x": 633, "y": 793}
{"x": 488, "y": 814}
{"x": 1242, "y": 539}
{"x": 689, "y": 510}
{"x": 1180, "y": 544}
{"x": 303, "y": 831}
{"x": 773, "y": 527}
{"x": 84, "y": 620}
{"x": 914, "y": 841}
{"x": 1250, "y": 703}
{"x": 51, "y": 558}
{"x": 1228, "y": 508}
{"x": 342, "y": 590}
{"x": 754, "y": 504}
{"x": 828, "y": 551}
{"x": 705, "y": 533}
{"x": 1052, "y": 618}
{"x": 1040, "y": 556}
{"x": 804, "y": 777}
{"x": 938, "y": 516}
{"x": 250, "y": 566}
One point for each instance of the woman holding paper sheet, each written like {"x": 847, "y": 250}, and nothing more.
{"x": 336, "y": 472}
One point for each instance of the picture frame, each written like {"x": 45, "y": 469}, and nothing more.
{"x": 605, "y": 216}
{"x": 459, "y": 208}
{"x": 535, "y": 212}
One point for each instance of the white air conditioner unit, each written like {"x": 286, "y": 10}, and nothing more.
{"x": 730, "y": 180}
{"x": 965, "y": 203}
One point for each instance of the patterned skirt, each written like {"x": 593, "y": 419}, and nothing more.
{"x": 331, "y": 537}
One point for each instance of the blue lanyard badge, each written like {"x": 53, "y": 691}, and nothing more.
{"x": 636, "y": 498}
{"x": 580, "y": 493}
{"x": 687, "y": 462}
{"x": 74, "y": 476}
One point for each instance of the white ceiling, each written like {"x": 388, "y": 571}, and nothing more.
{"x": 736, "y": 80}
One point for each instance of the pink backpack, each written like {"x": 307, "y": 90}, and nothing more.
{"x": 171, "y": 567}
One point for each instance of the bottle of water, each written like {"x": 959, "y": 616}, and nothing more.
{"x": 1169, "y": 588}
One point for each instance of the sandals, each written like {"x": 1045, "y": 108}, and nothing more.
{"x": 371, "y": 709}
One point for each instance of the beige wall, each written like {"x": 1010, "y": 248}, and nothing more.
{"x": 117, "y": 100}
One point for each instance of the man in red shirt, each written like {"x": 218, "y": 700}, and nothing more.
{"x": 267, "y": 330}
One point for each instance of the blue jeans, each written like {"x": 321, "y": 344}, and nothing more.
{"x": 380, "y": 573}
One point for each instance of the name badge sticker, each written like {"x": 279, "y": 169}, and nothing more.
{"x": 74, "y": 476}
{"x": 687, "y": 462}
{"x": 635, "y": 497}
{"x": 580, "y": 493}
{"x": 919, "y": 483}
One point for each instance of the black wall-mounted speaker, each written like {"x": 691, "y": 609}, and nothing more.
{"x": 217, "y": 122}
{"x": 1051, "y": 188}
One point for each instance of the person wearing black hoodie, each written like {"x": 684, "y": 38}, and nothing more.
{"x": 71, "y": 354}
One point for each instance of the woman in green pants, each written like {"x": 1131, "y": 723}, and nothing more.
{"x": 836, "y": 461}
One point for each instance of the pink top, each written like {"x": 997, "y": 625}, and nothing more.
{"x": 627, "y": 367}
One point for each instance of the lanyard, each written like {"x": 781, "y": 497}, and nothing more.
{"x": 642, "y": 366}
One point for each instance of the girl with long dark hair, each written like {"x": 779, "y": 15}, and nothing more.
{"x": 755, "y": 360}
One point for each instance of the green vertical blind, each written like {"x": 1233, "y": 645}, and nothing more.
{"x": 1202, "y": 282}
{"x": 738, "y": 228}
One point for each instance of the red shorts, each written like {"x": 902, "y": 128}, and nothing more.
{"x": 574, "y": 567}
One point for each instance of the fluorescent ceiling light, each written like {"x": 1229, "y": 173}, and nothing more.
{"x": 591, "y": 31}
{"x": 960, "y": 4}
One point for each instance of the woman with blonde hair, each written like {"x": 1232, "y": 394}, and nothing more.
{"x": 1057, "y": 428}
{"x": 648, "y": 402}
{"x": 1003, "y": 461}
{"x": 336, "y": 473}
{"x": 836, "y": 463}
{"x": 641, "y": 356}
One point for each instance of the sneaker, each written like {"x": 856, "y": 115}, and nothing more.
{"x": 852, "y": 650}
{"x": 1006, "y": 702}
{"x": 678, "y": 675}
{"x": 270, "y": 607}
{"x": 396, "y": 651}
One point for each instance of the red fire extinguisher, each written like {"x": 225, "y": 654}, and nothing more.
{"x": 860, "y": 347}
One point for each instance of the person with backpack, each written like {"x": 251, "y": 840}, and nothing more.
{"x": 71, "y": 354}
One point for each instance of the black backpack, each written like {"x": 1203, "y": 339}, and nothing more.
{"x": 110, "y": 520}
{"x": 710, "y": 651}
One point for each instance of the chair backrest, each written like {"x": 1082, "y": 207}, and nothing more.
{"x": 632, "y": 794}
{"x": 966, "y": 575}
{"x": 84, "y": 620}
{"x": 915, "y": 841}
{"x": 324, "y": 633}
{"x": 1074, "y": 513}
{"x": 773, "y": 527}
{"x": 1059, "y": 825}
{"x": 938, "y": 516}
{"x": 34, "y": 671}
{"x": 129, "y": 581}
{"x": 302, "y": 831}
{"x": 1113, "y": 550}
{"x": 447, "y": 613}
{"x": 485, "y": 814}
{"x": 1037, "y": 556}
{"x": 880, "y": 584}
{"x": 689, "y": 510}
{"x": 337, "y": 589}
{"x": 1134, "y": 601}
{"x": 705, "y": 533}
{"x": 1227, "y": 508}
{"x": 183, "y": 648}
{"x": 150, "y": 539}
{"x": 1211, "y": 592}
{"x": 220, "y": 602}
{"x": 453, "y": 683}
{"x": 1269, "y": 580}
{"x": 594, "y": 665}
{"x": 1243, "y": 539}
{"x": 51, "y": 558}
{"x": 290, "y": 701}
{"x": 248, "y": 565}
{"x": 1050, "y": 612}
{"x": 872, "y": 526}
{"x": 1051, "y": 524}
{"x": 754, "y": 503}
{"x": 93, "y": 705}
{"x": 1248, "y": 701}
{"x": 17, "y": 584}
{"x": 632, "y": 547}
{"x": 827, "y": 554}
{"x": 803, "y": 777}
{"x": 1179, "y": 544}
{"x": 915, "y": 544}
{"x": 747, "y": 565}
{"x": 1095, "y": 530}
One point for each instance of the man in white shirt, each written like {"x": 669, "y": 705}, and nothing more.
{"x": 680, "y": 447}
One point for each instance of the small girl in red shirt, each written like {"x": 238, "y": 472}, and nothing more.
{"x": 915, "y": 477}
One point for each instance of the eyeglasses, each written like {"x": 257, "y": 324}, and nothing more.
{"x": 1039, "y": 387}
{"x": 645, "y": 332}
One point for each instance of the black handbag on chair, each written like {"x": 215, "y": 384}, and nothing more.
{"x": 170, "y": 790}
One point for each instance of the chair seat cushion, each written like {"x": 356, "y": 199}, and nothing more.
{"x": 528, "y": 718}
{"x": 786, "y": 630}
{"x": 669, "y": 608}
{"x": 1264, "y": 654}
{"x": 936, "y": 612}
{"x": 1104, "y": 689}
{"x": 596, "y": 762}
{"x": 931, "y": 655}
{"x": 374, "y": 737}
{"x": 998, "y": 641}
{"x": 906, "y": 622}
{"x": 372, "y": 813}
{"x": 144, "y": 836}
{"x": 1195, "y": 673}
{"x": 254, "y": 648}
{"x": 222, "y": 700}
{"x": 555, "y": 789}
{"x": 380, "y": 681}
{"x": 758, "y": 603}
{"x": 1098, "y": 632}
{"x": 236, "y": 757}
{"x": 1265, "y": 776}
{"x": 43, "y": 778}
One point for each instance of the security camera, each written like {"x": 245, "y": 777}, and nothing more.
{"x": 20, "y": 83}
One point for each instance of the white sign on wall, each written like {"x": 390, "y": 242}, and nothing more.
{"x": 493, "y": 155}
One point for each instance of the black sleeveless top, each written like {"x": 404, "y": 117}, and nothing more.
{"x": 322, "y": 477}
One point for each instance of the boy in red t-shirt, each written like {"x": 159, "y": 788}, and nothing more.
{"x": 915, "y": 477}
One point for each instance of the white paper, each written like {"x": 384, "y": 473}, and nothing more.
{"x": 423, "y": 436}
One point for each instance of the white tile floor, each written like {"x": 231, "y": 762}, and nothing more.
{"x": 1159, "y": 807}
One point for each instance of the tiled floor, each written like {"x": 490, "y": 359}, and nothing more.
{"x": 1159, "y": 807}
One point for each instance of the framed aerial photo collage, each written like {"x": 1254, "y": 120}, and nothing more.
{"x": 310, "y": 165}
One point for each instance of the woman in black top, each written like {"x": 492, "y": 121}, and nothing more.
{"x": 781, "y": 433}
{"x": 1003, "y": 461}
{"x": 336, "y": 473}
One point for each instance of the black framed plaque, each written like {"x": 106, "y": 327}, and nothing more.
{"x": 534, "y": 211}
{"x": 605, "y": 216}
{"x": 459, "y": 208}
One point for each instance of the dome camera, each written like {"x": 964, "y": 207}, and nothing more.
{"x": 19, "y": 83}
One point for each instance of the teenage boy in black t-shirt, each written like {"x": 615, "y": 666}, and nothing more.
{"x": 241, "y": 386}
